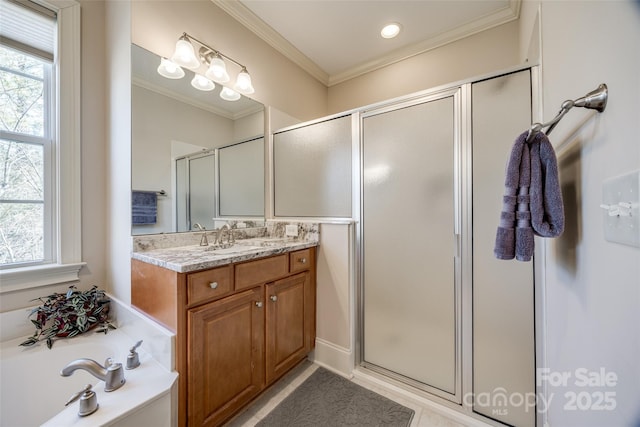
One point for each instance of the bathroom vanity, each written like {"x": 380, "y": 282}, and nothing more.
{"x": 242, "y": 316}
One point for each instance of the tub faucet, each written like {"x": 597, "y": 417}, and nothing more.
{"x": 112, "y": 373}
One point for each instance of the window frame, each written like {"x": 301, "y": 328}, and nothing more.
{"x": 65, "y": 171}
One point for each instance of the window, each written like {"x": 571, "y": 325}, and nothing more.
{"x": 25, "y": 159}
{"x": 39, "y": 144}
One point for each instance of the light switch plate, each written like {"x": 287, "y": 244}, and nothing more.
{"x": 621, "y": 192}
{"x": 291, "y": 230}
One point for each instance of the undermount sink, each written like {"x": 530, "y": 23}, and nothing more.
{"x": 232, "y": 249}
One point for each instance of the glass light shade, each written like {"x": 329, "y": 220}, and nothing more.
{"x": 217, "y": 70}
{"x": 170, "y": 70}
{"x": 202, "y": 83}
{"x": 229, "y": 94}
{"x": 390, "y": 31}
{"x": 184, "y": 55}
{"x": 243, "y": 83}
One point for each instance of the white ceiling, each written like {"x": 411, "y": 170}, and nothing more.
{"x": 335, "y": 40}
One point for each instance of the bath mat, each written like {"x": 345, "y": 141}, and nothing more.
{"x": 326, "y": 399}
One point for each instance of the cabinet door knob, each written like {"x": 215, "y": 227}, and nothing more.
{"x": 273, "y": 298}
{"x": 259, "y": 304}
{"x": 213, "y": 285}
{"x": 302, "y": 260}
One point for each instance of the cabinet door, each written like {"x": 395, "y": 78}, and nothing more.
{"x": 225, "y": 356}
{"x": 289, "y": 323}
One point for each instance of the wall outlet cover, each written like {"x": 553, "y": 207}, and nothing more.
{"x": 622, "y": 194}
{"x": 291, "y": 230}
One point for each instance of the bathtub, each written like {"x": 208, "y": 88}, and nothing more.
{"x": 33, "y": 392}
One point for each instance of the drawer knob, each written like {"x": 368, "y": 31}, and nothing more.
{"x": 273, "y": 298}
{"x": 259, "y": 304}
{"x": 302, "y": 260}
{"x": 213, "y": 285}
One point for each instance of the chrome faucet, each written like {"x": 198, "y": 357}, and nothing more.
{"x": 220, "y": 235}
{"x": 112, "y": 373}
{"x": 203, "y": 239}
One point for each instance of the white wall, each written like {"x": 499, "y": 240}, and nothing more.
{"x": 592, "y": 286}
{"x": 482, "y": 53}
{"x": 335, "y": 304}
{"x": 249, "y": 126}
{"x": 117, "y": 99}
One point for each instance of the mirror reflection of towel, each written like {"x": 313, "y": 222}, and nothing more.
{"x": 144, "y": 207}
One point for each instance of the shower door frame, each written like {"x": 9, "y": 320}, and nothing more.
{"x": 464, "y": 381}
{"x": 461, "y": 136}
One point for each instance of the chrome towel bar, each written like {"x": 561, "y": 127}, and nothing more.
{"x": 594, "y": 100}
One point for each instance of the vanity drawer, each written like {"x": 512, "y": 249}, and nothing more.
{"x": 299, "y": 260}
{"x": 209, "y": 284}
{"x": 261, "y": 271}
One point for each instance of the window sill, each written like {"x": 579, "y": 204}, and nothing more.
{"x": 36, "y": 276}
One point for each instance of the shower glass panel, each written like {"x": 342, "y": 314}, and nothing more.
{"x": 195, "y": 191}
{"x": 503, "y": 291}
{"x": 182, "y": 195}
{"x": 409, "y": 244}
{"x": 202, "y": 198}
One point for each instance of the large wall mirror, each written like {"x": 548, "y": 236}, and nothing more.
{"x": 195, "y": 156}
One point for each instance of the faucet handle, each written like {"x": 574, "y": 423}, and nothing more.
{"x": 136, "y": 345}
{"x": 133, "y": 360}
{"x": 88, "y": 401}
{"x": 77, "y": 395}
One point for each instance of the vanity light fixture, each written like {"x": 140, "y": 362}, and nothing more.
{"x": 229, "y": 94}
{"x": 185, "y": 56}
{"x": 389, "y": 31}
{"x": 217, "y": 68}
{"x": 200, "y": 82}
{"x": 169, "y": 69}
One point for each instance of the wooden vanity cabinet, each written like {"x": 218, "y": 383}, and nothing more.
{"x": 226, "y": 348}
{"x": 238, "y": 327}
{"x": 288, "y": 336}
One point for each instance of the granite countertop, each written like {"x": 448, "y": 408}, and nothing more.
{"x": 185, "y": 259}
{"x": 181, "y": 252}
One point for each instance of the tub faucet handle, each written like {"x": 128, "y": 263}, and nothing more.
{"x": 133, "y": 360}
{"x": 88, "y": 401}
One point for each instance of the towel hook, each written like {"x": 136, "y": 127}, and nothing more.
{"x": 594, "y": 100}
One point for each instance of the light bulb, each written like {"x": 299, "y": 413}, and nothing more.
{"x": 170, "y": 70}
{"x": 217, "y": 70}
{"x": 184, "y": 55}
{"x": 243, "y": 83}
{"x": 202, "y": 83}
{"x": 229, "y": 94}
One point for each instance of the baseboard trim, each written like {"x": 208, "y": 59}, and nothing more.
{"x": 333, "y": 357}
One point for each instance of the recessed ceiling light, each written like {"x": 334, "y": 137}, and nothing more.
{"x": 389, "y": 31}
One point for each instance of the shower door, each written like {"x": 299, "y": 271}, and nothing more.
{"x": 410, "y": 269}
{"x": 195, "y": 191}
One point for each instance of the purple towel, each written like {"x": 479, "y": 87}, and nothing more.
{"x": 514, "y": 237}
{"x": 547, "y": 209}
{"x": 532, "y": 201}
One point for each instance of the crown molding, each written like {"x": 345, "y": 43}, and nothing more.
{"x": 502, "y": 16}
{"x": 252, "y": 22}
{"x": 194, "y": 103}
{"x": 246, "y": 17}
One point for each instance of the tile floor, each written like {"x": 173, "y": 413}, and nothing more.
{"x": 425, "y": 414}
